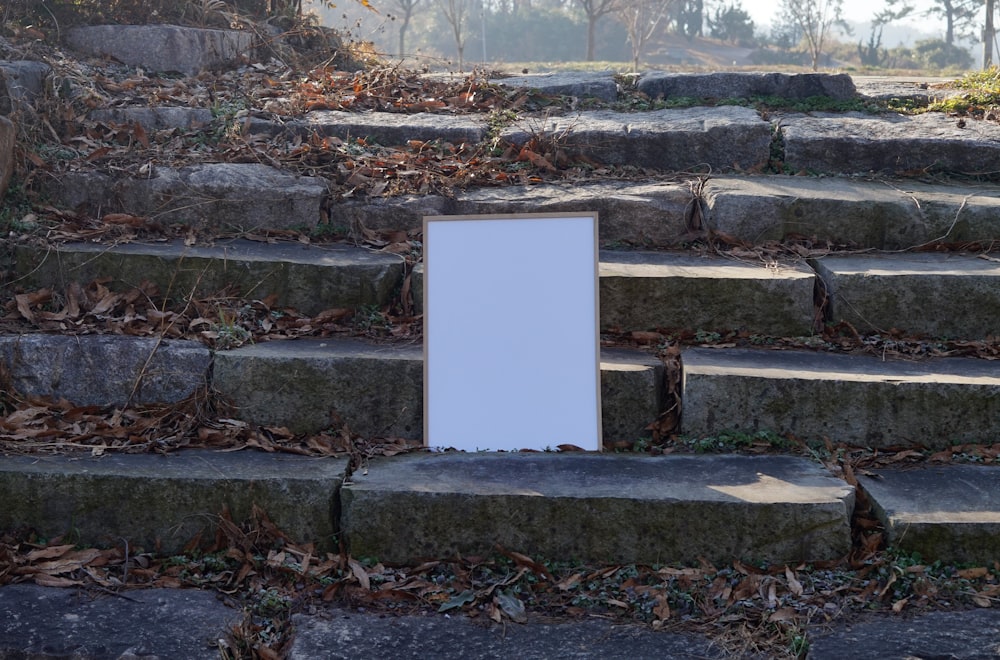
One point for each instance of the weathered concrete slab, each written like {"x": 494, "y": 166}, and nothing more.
{"x": 105, "y": 369}
{"x": 757, "y": 209}
{"x": 8, "y": 139}
{"x": 636, "y": 213}
{"x": 40, "y": 622}
{"x": 589, "y": 507}
{"x": 311, "y": 385}
{"x": 417, "y": 288}
{"x": 961, "y": 635}
{"x": 947, "y": 512}
{"x": 941, "y": 295}
{"x": 163, "y": 501}
{"x": 579, "y": 84}
{"x": 379, "y": 128}
{"x": 308, "y": 278}
{"x": 155, "y": 118}
{"x": 166, "y": 48}
{"x": 377, "y": 390}
{"x": 848, "y": 398}
{"x": 890, "y": 143}
{"x": 644, "y": 290}
{"x": 725, "y": 85}
{"x": 633, "y": 391}
{"x": 22, "y": 82}
{"x": 689, "y": 139}
{"x": 883, "y": 215}
{"x": 340, "y": 634}
{"x": 921, "y": 89}
{"x": 721, "y": 138}
{"x": 223, "y": 196}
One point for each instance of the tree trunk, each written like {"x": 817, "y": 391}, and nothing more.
{"x": 949, "y": 18}
{"x": 402, "y": 35}
{"x": 988, "y": 36}
{"x": 591, "y": 35}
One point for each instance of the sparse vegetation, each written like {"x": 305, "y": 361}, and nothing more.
{"x": 740, "y": 606}
{"x": 735, "y": 441}
{"x": 980, "y": 99}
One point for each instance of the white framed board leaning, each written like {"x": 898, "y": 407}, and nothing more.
{"x": 511, "y": 339}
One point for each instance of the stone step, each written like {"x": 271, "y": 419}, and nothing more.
{"x": 893, "y": 214}
{"x": 949, "y": 513}
{"x": 104, "y": 370}
{"x": 643, "y": 290}
{"x": 639, "y": 290}
{"x": 887, "y": 215}
{"x": 344, "y": 634}
{"x": 889, "y": 143}
{"x": 8, "y": 140}
{"x": 718, "y": 139}
{"x": 308, "y": 278}
{"x": 43, "y": 622}
{"x": 47, "y": 622}
{"x": 162, "y": 502}
{"x": 610, "y": 508}
{"x": 22, "y": 83}
{"x": 940, "y": 295}
{"x": 226, "y": 197}
{"x": 847, "y": 398}
{"x": 746, "y": 85}
{"x": 588, "y": 507}
{"x": 953, "y": 296}
{"x": 723, "y": 138}
{"x": 377, "y": 390}
{"x": 306, "y": 385}
{"x": 166, "y": 48}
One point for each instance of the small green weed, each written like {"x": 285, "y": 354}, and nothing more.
{"x": 705, "y": 337}
{"x": 369, "y": 318}
{"x": 327, "y": 230}
{"x": 496, "y": 122}
{"x": 982, "y": 94}
{"x": 229, "y": 333}
{"x": 15, "y": 206}
{"x": 735, "y": 440}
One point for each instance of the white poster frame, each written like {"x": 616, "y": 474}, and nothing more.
{"x": 511, "y": 332}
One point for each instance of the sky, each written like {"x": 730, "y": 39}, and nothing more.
{"x": 855, "y": 11}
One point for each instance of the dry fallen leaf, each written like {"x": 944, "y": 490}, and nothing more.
{"x": 973, "y": 573}
{"x": 360, "y": 573}
{"x": 793, "y": 584}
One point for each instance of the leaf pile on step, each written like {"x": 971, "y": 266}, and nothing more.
{"x": 252, "y": 116}
{"x": 34, "y": 425}
{"x": 837, "y": 338}
{"x": 864, "y": 458}
{"x": 219, "y": 321}
{"x": 254, "y": 565}
{"x": 748, "y": 610}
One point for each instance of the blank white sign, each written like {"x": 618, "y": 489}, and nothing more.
{"x": 511, "y": 343}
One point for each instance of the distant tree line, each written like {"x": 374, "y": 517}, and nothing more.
{"x": 805, "y": 31}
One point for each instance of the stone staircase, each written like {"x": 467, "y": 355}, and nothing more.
{"x": 860, "y": 193}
